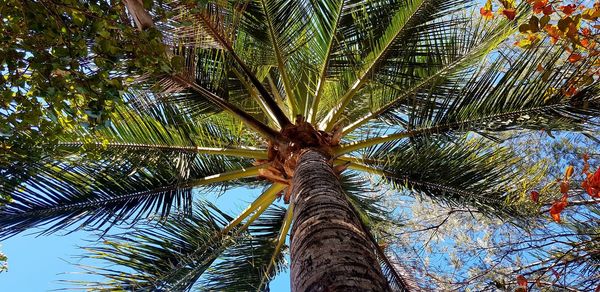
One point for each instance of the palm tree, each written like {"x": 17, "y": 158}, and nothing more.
{"x": 300, "y": 98}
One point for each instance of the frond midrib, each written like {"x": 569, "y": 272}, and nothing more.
{"x": 246, "y": 152}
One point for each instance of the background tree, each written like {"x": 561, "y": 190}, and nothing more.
{"x": 416, "y": 92}
{"x": 492, "y": 254}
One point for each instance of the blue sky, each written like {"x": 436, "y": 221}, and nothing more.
{"x": 39, "y": 263}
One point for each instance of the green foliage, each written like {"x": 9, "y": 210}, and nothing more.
{"x": 462, "y": 172}
{"x": 65, "y": 64}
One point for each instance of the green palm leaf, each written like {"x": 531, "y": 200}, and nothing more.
{"x": 511, "y": 93}
{"x": 243, "y": 267}
{"x": 465, "y": 172}
{"x": 189, "y": 249}
{"x": 134, "y": 168}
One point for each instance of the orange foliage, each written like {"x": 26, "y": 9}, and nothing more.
{"x": 487, "y": 14}
{"x": 553, "y": 32}
{"x": 558, "y": 207}
{"x": 574, "y": 57}
{"x": 571, "y": 91}
{"x": 592, "y": 184}
{"x": 569, "y": 172}
{"x": 539, "y": 6}
{"x": 564, "y": 187}
{"x": 568, "y": 9}
{"x": 575, "y": 24}
{"x": 486, "y": 10}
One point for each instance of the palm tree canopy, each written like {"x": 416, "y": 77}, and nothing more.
{"x": 419, "y": 93}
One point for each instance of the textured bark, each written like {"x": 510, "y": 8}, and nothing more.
{"x": 329, "y": 250}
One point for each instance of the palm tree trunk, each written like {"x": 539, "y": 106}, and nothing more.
{"x": 329, "y": 249}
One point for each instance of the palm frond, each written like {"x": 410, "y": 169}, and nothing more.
{"x": 464, "y": 172}
{"x": 269, "y": 272}
{"x": 367, "y": 203}
{"x": 219, "y": 22}
{"x": 123, "y": 187}
{"x": 327, "y": 18}
{"x": 285, "y": 21}
{"x": 510, "y": 93}
{"x": 412, "y": 20}
{"x": 243, "y": 266}
{"x": 171, "y": 256}
{"x": 187, "y": 252}
{"x": 210, "y": 21}
{"x": 134, "y": 167}
{"x": 440, "y": 59}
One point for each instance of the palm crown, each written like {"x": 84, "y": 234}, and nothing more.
{"x": 415, "y": 92}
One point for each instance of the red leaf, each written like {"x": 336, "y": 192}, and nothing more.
{"x": 586, "y": 31}
{"x": 486, "y": 10}
{"x": 571, "y": 91}
{"x": 540, "y": 68}
{"x": 568, "y": 9}
{"x": 558, "y": 207}
{"x": 509, "y": 13}
{"x": 586, "y": 165}
{"x": 585, "y": 43}
{"x": 574, "y": 57}
{"x": 592, "y": 184}
{"x": 538, "y": 6}
{"x": 521, "y": 281}
{"x": 553, "y": 31}
{"x": 535, "y": 196}
{"x": 596, "y": 178}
